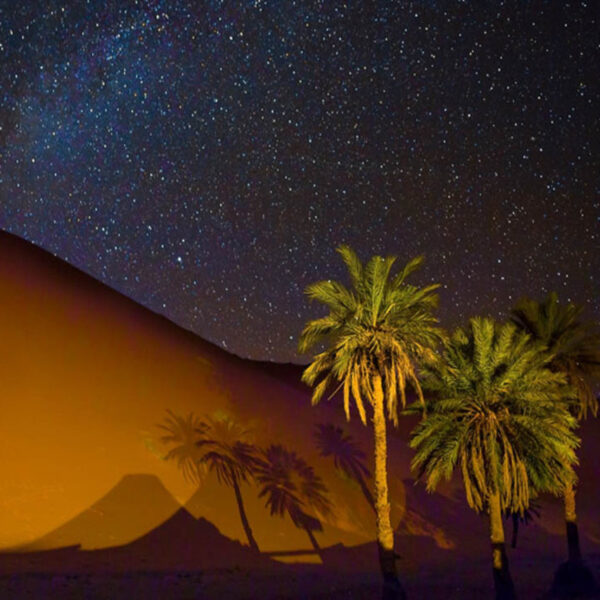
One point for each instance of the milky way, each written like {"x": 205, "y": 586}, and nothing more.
{"x": 206, "y": 158}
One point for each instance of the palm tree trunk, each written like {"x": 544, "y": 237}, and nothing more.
{"x": 313, "y": 541}
{"x": 571, "y": 522}
{"x": 515, "y": 530}
{"x": 392, "y": 589}
{"x": 243, "y": 517}
{"x": 503, "y": 584}
{"x": 365, "y": 490}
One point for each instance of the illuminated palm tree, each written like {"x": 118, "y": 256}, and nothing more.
{"x": 347, "y": 456}
{"x": 375, "y": 332}
{"x": 218, "y": 445}
{"x": 291, "y": 487}
{"x": 575, "y": 349}
{"x": 499, "y": 414}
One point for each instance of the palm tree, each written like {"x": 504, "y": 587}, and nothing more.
{"x": 347, "y": 456}
{"x": 217, "y": 444}
{"x": 291, "y": 486}
{"x": 575, "y": 349}
{"x": 233, "y": 460}
{"x": 493, "y": 413}
{"x": 376, "y": 333}
{"x": 182, "y": 433}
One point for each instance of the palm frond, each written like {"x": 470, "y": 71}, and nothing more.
{"x": 573, "y": 343}
{"x": 182, "y": 434}
{"x": 384, "y": 327}
{"x": 354, "y": 266}
{"x": 289, "y": 485}
{"x": 499, "y": 414}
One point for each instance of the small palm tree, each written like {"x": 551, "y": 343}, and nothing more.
{"x": 291, "y": 487}
{"x": 494, "y": 415}
{"x": 217, "y": 445}
{"x": 375, "y": 333}
{"x": 574, "y": 345}
{"x": 347, "y": 456}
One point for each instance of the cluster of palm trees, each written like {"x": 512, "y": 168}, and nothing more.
{"x": 500, "y": 402}
{"x": 218, "y": 444}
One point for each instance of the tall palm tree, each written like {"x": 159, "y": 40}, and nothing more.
{"x": 493, "y": 414}
{"x": 218, "y": 445}
{"x": 291, "y": 487}
{"x": 347, "y": 456}
{"x": 575, "y": 348}
{"x": 376, "y": 332}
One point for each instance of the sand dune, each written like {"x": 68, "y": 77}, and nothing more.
{"x": 87, "y": 376}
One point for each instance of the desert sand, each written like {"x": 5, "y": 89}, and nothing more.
{"x": 89, "y": 507}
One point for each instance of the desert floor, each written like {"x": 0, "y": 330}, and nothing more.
{"x": 460, "y": 582}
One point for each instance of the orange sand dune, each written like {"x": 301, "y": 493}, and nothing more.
{"x": 87, "y": 374}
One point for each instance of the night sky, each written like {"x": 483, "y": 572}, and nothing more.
{"x": 206, "y": 158}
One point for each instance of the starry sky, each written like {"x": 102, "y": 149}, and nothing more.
{"x": 206, "y": 158}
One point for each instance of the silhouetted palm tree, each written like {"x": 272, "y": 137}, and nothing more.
{"x": 574, "y": 345}
{"x": 291, "y": 487}
{"x": 347, "y": 456}
{"x": 495, "y": 412}
{"x": 233, "y": 460}
{"x": 182, "y": 433}
{"x": 375, "y": 334}
{"x": 219, "y": 445}
{"x": 525, "y": 518}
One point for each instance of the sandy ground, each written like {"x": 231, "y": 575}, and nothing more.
{"x": 463, "y": 581}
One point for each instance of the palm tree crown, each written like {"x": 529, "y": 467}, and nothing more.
{"x": 376, "y": 329}
{"x": 215, "y": 444}
{"x": 347, "y": 456}
{"x": 225, "y": 449}
{"x": 291, "y": 486}
{"x": 182, "y": 433}
{"x": 494, "y": 414}
{"x": 573, "y": 343}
